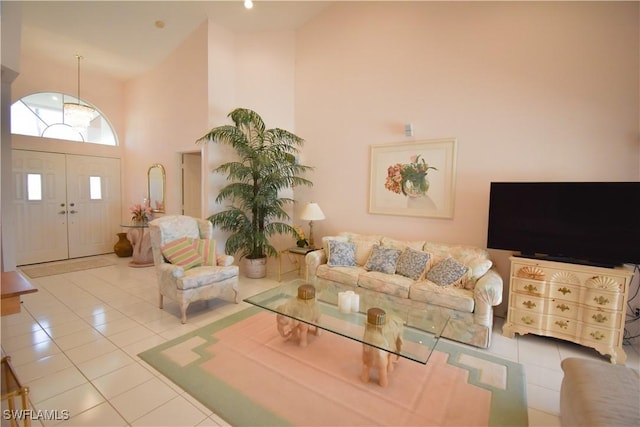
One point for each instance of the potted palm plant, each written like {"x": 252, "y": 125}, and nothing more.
{"x": 266, "y": 165}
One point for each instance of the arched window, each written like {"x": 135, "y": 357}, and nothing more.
{"x": 41, "y": 114}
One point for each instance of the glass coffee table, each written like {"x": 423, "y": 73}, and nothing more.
{"x": 418, "y": 331}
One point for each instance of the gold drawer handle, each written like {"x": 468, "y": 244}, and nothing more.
{"x": 530, "y": 288}
{"x": 601, "y": 300}
{"x": 529, "y": 304}
{"x": 562, "y": 324}
{"x": 563, "y": 307}
{"x": 597, "y": 335}
{"x": 564, "y": 291}
{"x": 527, "y": 320}
{"x": 599, "y": 318}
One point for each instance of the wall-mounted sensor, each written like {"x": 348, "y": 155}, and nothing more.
{"x": 408, "y": 129}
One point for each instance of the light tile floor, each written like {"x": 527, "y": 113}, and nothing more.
{"x": 75, "y": 344}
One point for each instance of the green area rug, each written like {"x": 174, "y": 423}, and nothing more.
{"x": 245, "y": 372}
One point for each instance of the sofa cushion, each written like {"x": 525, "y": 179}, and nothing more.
{"x": 459, "y": 299}
{"x": 448, "y": 272}
{"x": 401, "y": 244}
{"x": 345, "y": 275}
{"x": 383, "y": 260}
{"x": 342, "y": 254}
{"x": 392, "y": 284}
{"x": 355, "y": 236}
{"x": 412, "y": 263}
{"x": 181, "y": 252}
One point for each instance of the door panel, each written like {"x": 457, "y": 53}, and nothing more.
{"x": 69, "y": 220}
{"x": 192, "y": 184}
{"x": 94, "y": 218}
{"x": 40, "y": 225}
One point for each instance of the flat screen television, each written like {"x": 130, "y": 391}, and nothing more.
{"x": 594, "y": 223}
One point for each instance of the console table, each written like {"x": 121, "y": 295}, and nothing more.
{"x": 582, "y": 304}
{"x": 142, "y": 254}
{"x": 13, "y": 286}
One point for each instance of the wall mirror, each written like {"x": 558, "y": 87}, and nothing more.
{"x": 156, "y": 182}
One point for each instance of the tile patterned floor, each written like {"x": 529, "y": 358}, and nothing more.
{"x": 76, "y": 341}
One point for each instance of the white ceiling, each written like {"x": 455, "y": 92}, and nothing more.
{"x": 121, "y": 38}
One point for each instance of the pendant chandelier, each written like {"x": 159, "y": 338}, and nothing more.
{"x": 78, "y": 115}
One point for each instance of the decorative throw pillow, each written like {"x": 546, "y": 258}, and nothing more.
{"x": 206, "y": 248}
{"x": 342, "y": 254}
{"x": 412, "y": 263}
{"x": 181, "y": 252}
{"x": 448, "y": 272}
{"x": 383, "y": 260}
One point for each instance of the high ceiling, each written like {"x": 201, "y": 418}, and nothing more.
{"x": 124, "y": 38}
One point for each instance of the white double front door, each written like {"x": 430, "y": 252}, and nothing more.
{"x": 65, "y": 205}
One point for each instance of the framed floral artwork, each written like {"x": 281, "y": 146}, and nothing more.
{"x": 413, "y": 178}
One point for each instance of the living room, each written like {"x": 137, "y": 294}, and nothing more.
{"x": 530, "y": 91}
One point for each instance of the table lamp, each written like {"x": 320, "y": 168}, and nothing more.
{"x": 312, "y": 212}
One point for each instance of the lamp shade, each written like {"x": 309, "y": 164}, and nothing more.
{"x": 312, "y": 212}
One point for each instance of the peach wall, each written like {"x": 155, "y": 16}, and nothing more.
{"x": 38, "y": 74}
{"x": 248, "y": 70}
{"x": 532, "y": 91}
{"x": 166, "y": 114}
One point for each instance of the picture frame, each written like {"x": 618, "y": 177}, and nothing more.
{"x": 413, "y": 178}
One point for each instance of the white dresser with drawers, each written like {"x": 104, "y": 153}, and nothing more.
{"x": 577, "y": 303}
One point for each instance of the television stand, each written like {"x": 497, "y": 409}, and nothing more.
{"x": 578, "y": 303}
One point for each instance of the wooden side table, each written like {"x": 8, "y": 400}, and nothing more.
{"x": 298, "y": 255}
{"x": 13, "y": 286}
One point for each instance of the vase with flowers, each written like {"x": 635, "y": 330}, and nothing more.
{"x": 301, "y": 240}
{"x": 140, "y": 214}
{"x": 409, "y": 179}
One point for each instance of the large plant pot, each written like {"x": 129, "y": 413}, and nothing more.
{"x": 255, "y": 268}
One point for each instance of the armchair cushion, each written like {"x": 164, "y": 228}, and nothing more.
{"x": 206, "y": 275}
{"x": 207, "y": 250}
{"x": 182, "y": 252}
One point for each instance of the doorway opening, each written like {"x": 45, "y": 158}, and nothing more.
{"x": 191, "y": 165}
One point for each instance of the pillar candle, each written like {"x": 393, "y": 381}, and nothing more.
{"x": 344, "y": 302}
{"x": 355, "y": 303}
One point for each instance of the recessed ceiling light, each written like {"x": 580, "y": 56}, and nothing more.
{"x": 159, "y": 24}
{"x": 248, "y": 4}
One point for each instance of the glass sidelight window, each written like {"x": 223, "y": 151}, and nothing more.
{"x": 34, "y": 186}
{"x": 95, "y": 188}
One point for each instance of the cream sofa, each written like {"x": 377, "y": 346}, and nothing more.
{"x": 452, "y": 280}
